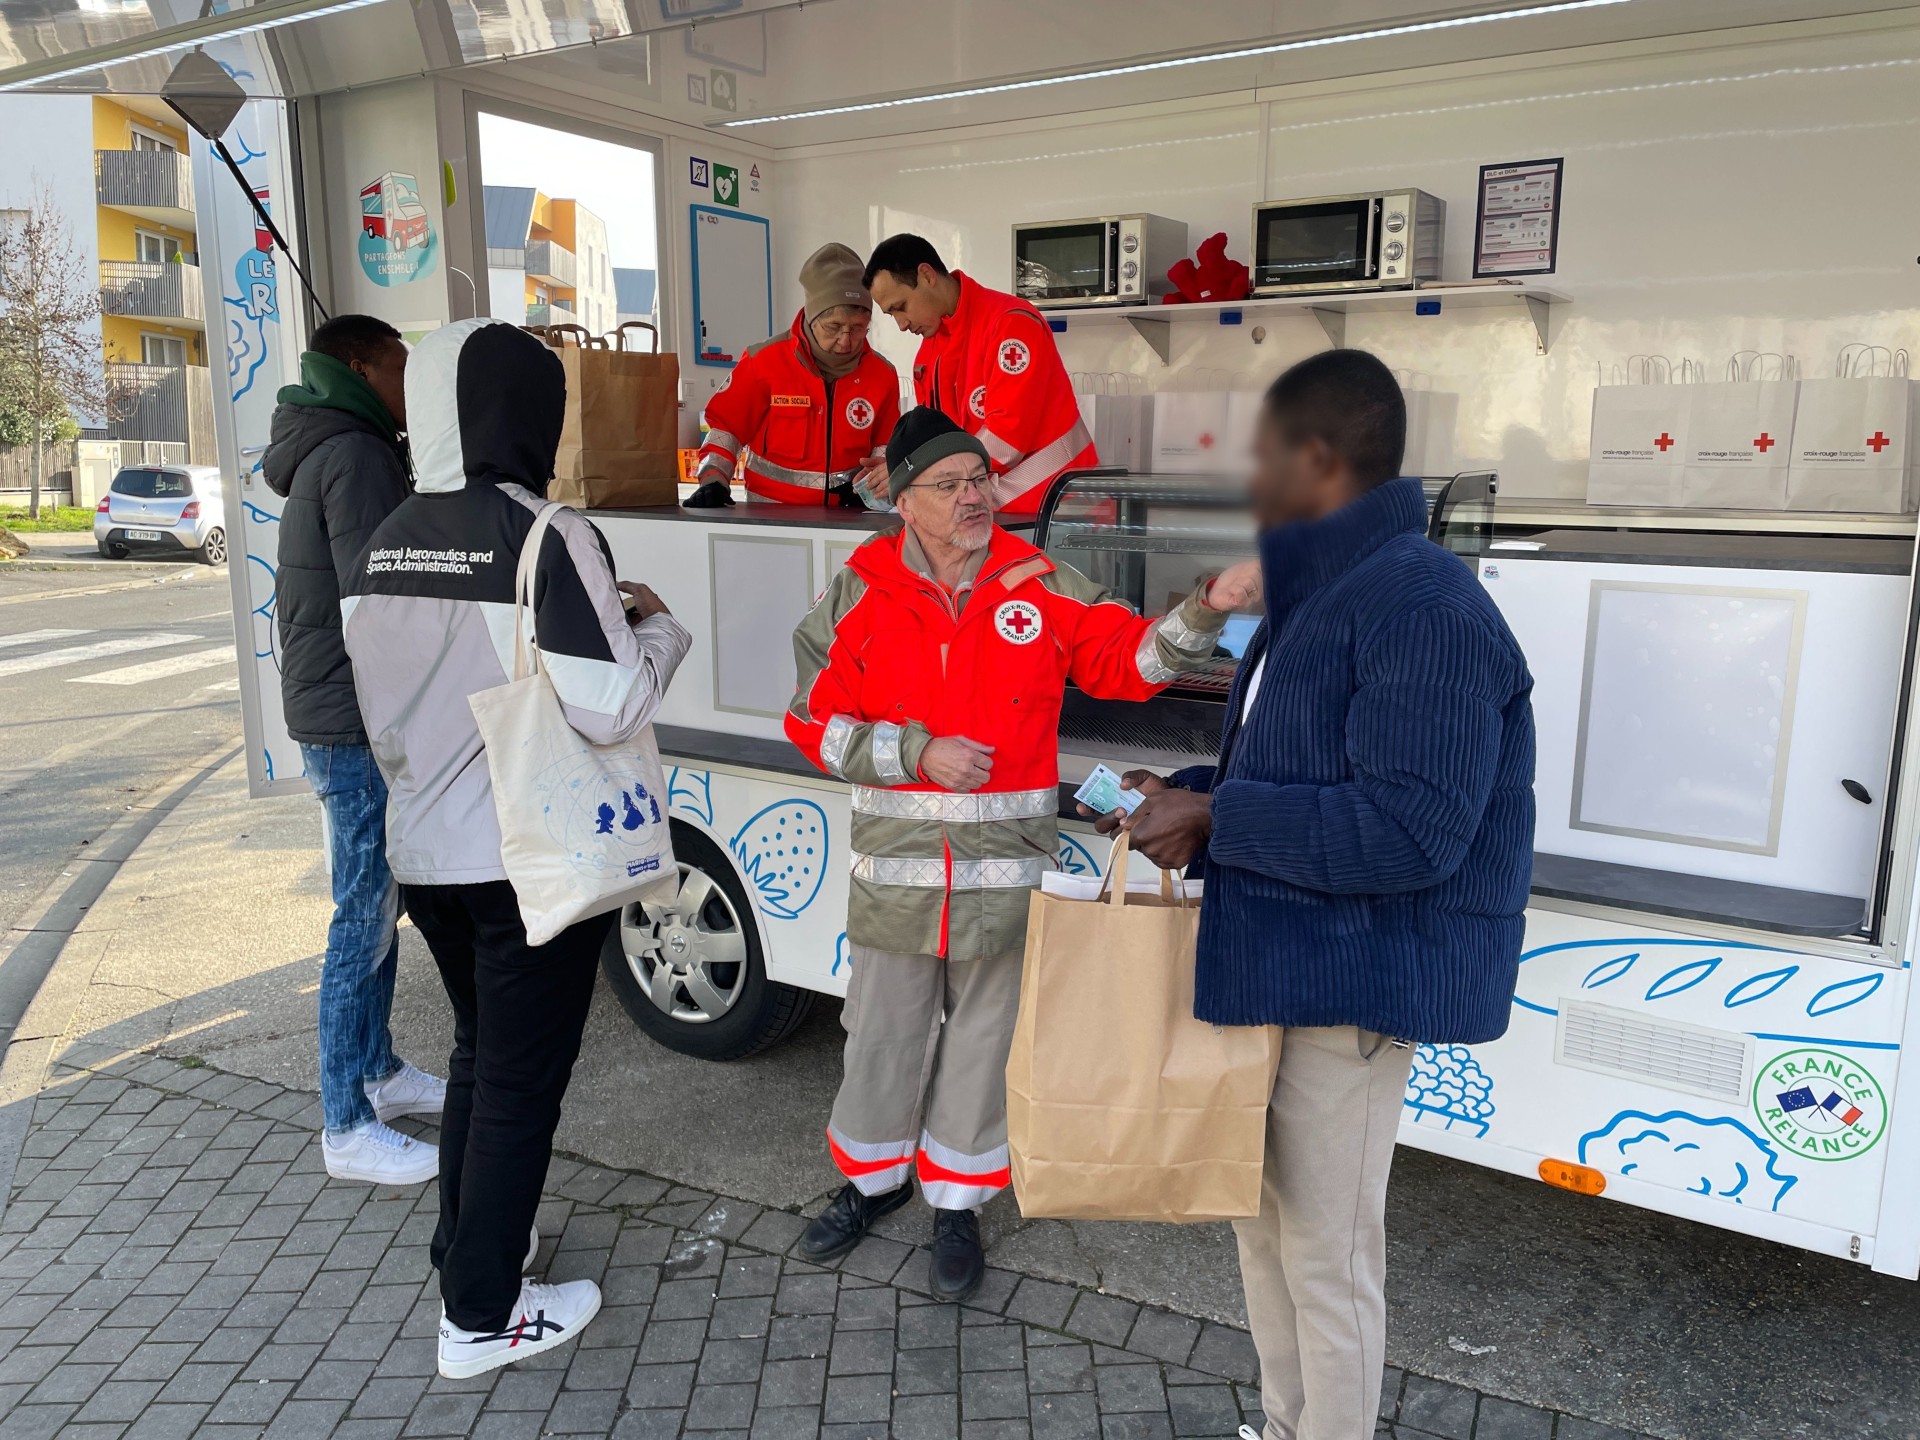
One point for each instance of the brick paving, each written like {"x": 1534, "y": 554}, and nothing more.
{"x": 174, "y": 1261}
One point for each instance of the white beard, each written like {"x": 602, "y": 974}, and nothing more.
{"x": 961, "y": 540}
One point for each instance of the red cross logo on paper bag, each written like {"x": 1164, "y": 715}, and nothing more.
{"x": 1764, "y": 442}
{"x": 1017, "y": 621}
{"x": 1664, "y": 443}
{"x": 1206, "y": 440}
{"x": 1013, "y": 356}
{"x": 1877, "y": 442}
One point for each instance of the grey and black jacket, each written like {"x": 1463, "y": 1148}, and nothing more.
{"x": 429, "y": 609}
{"x": 340, "y": 477}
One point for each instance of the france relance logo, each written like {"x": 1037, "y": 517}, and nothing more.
{"x": 1017, "y": 621}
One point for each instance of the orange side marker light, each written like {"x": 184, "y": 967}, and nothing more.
{"x": 1581, "y": 1179}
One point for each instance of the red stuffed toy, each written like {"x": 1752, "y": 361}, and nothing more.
{"x": 1215, "y": 277}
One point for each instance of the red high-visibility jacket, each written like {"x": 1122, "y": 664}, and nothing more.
{"x": 800, "y": 433}
{"x": 888, "y": 659}
{"x": 993, "y": 368}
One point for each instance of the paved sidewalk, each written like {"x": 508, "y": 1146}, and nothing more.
{"x": 174, "y": 1261}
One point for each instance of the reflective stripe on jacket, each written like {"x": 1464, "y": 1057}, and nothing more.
{"x": 798, "y": 433}
{"x": 888, "y": 659}
{"x": 993, "y": 368}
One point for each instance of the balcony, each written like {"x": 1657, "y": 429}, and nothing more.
{"x": 156, "y": 185}
{"x": 168, "y": 292}
{"x": 551, "y": 263}
{"x": 554, "y": 314}
{"x": 168, "y": 403}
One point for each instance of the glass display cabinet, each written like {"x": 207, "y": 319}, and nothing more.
{"x": 1150, "y": 539}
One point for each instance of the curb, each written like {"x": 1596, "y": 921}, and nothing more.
{"x": 33, "y": 945}
{"x": 150, "y": 579}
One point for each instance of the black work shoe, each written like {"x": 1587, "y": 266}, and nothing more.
{"x": 959, "y": 1261}
{"x": 846, "y": 1220}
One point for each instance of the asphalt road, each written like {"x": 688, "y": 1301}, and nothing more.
{"x": 112, "y": 678}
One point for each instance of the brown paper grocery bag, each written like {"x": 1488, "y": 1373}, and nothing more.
{"x": 619, "y": 445}
{"x": 1121, "y": 1105}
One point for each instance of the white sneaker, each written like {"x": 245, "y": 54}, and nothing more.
{"x": 1247, "y": 1432}
{"x": 381, "y": 1155}
{"x": 544, "y": 1316}
{"x": 408, "y": 1092}
{"x": 533, "y": 1250}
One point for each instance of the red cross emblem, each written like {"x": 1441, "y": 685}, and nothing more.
{"x": 1014, "y": 357}
{"x": 1764, "y": 442}
{"x": 1017, "y": 621}
{"x": 1664, "y": 443}
{"x": 1877, "y": 442}
{"x": 860, "y": 412}
{"x": 1206, "y": 441}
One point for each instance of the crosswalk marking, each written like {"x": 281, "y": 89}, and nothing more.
{"x": 158, "y": 669}
{"x": 218, "y": 685}
{"x": 34, "y": 637}
{"x": 99, "y": 650}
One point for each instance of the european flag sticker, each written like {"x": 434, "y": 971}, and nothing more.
{"x": 1801, "y": 1099}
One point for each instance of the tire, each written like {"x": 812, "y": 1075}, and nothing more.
{"x": 213, "y": 551}
{"x": 117, "y": 552}
{"x": 697, "y": 982}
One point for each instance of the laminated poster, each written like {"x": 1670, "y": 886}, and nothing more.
{"x": 1517, "y": 229}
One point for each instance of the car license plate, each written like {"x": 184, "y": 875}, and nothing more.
{"x": 143, "y": 534}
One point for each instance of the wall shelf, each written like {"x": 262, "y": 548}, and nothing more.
{"x": 1154, "y": 323}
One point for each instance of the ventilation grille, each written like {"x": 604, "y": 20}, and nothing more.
{"x": 1665, "y": 1052}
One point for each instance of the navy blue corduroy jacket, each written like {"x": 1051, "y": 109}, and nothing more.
{"x": 1373, "y": 818}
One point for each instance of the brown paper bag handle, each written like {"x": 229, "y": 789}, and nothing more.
{"x": 556, "y": 336}
{"x": 619, "y": 335}
{"x": 1117, "y": 865}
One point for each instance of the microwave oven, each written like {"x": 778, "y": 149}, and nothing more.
{"x": 1107, "y": 260}
{"x": 1377, "y": 241}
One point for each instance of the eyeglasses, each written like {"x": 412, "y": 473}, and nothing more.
{"x": 828, "y": 332}
{"x": 983, "y": 482}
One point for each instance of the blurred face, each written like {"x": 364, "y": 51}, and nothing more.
{"x": 841, "y": 330}
{"x": 915, "y": 308}
{"x": 386, "y": 373}
{"x": 1294, "y": 479}
{"x": 961, "y": 516}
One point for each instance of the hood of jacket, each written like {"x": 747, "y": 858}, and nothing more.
{"x": 297, "y": 431}
{"x": 485, "y": 403}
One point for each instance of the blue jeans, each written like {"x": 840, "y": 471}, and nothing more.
{"x": 363, "y": 945}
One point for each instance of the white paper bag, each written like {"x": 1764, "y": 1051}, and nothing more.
{"x": 1190, "y": 433}
{"x": 583, "y": 827}
{"x": 1122, "y": 428}
{"x": 1639, "y": 444}
{"x": 1739, "y": 435}
{"x": 1853, "y": 446}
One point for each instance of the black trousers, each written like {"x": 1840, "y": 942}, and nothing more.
{"x": 518, "y": 1013}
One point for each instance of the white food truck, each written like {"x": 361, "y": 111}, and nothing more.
{"x": 1715, "y": 995}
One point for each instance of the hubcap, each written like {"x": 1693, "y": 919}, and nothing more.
{"x": 217, "y": 546}
{"x": 688, "y": 955}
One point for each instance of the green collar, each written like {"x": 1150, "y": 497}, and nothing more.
{"x": 327, "y": 384}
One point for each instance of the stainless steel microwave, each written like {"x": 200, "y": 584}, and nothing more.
{"x": 1378, "y": 241}
{"x": 1106, "y": 260}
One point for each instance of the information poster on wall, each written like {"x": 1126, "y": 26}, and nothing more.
{"x": 1517, "y": 231}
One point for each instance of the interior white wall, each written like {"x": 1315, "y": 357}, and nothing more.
{"x": 1750, "y": 194}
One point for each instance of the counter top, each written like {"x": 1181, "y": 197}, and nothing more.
{"x": 1697, "y": 897}
{"x": 789, "y": 517}
{"x": 1847, "y": 554}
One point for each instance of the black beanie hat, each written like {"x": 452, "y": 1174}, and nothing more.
{"x": 921, "y": 437}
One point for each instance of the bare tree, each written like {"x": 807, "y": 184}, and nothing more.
{"x": 50, "y": 359}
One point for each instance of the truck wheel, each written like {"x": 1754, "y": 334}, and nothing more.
{"x": 690, "y": 972}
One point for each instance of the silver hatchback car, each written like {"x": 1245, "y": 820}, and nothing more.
{"x": 174, "y": 508}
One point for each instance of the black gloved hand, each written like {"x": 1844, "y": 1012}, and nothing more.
{"x": 711, "y": 495}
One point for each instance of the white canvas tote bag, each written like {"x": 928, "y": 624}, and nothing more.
{"x": 583, "y": 827}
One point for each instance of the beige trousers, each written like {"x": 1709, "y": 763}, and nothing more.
{"x": 1314, "y": 1261}
{"x": 925, "y": 1087}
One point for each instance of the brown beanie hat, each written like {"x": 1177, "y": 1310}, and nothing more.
{"x": 832, "y": 276}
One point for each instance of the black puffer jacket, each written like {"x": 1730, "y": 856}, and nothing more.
{"x": 341, "y": 478}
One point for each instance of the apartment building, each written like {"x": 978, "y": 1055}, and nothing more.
{"x": 547, "y": 261}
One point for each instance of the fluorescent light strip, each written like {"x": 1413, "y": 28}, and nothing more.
{"x": 203, "y": 33}
{"x": 1142, "y": 67}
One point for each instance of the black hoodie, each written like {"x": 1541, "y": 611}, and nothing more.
{"x": 341, "y": 477}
